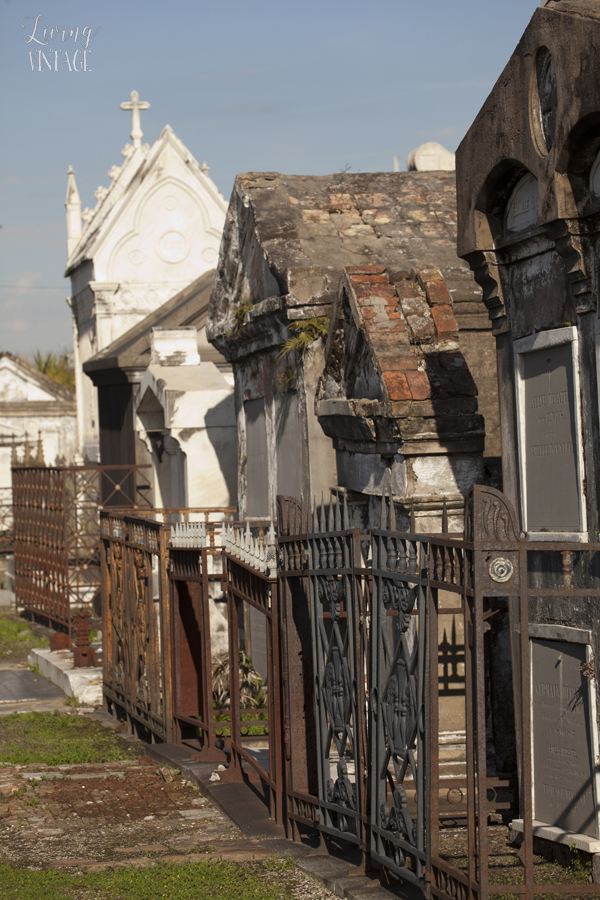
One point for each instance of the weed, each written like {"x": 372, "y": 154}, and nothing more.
{"x": 73, "y": 702}
{"x": 305, "y": 333}
{"x": 238, "y": 319}
{"x": 57, "y": 739}
{"x": 286, "y": 380}
{"x": 35, "y": 669}
{"x": 16, "y": 634}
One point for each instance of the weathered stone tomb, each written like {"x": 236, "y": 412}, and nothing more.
{"x": 529, "y": 226}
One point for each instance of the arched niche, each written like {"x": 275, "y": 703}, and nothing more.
{"x": 522, "y": 207}
{"x": 577, "y": 164}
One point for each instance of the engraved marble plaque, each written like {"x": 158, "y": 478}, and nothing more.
{"x": 562, "y": 740}
{"x": 553, "y": 491}
{"x": 257, "y": 467}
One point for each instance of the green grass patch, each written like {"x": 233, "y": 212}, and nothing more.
{"x": 58, "y": 740}
{"x": 17, "y": 635}
{"x": 246, "y": 730}
{"x": 166, "y": 881}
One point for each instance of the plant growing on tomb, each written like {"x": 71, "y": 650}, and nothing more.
{"x": 286, "y": 379}
{"x": 304, "y": 334}
{"x": 589, "y": 668}
{"x": 238, "y": 319}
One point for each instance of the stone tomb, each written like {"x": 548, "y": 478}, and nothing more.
{"x": 564, "y": 730}
{"x": 549, "y": 433}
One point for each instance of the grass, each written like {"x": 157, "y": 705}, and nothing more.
{"x": 16, "y": 635}
{"x": 254, "y": 730}
{"x": 58, "y": 740}
{"x": 166, "y": 881}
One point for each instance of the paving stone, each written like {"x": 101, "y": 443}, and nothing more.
{"x": 323, "y": 866}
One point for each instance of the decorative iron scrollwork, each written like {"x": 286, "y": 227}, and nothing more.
{"x": 501, "y": 569}
{"x": 399, "y": 821}
{"x": 332, "y": 591}
{"x": 337, "y": 695}
{"x": 399, "y": 713}
{"x": 399, "y": 596}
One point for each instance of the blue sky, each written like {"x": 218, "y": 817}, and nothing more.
{"x": 298, "y": 87}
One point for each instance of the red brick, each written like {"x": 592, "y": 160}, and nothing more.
{"x": 378, "y": 290}
{"x": 398, "y": 363}
{"x": 365, "y": 270}
{"x": 422, "y": 327}
{"x": 445, "y": 323}
{"x": 437, "y": 292}
{"x": 369, "y": 279}
{"x": 419, "y": 386}
{"x": 431, "y": 273}
{"x": 397, "y": 385}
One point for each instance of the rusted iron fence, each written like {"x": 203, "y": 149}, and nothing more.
{"x": 356, "y": 666}
{"x": 57, "y": 533}
{"x": 6, "y": 520}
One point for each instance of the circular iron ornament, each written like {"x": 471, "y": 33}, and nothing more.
{"x": 455, "y": 796}
{"x": 501, "y": 570}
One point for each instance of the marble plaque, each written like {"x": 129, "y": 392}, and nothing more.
{"x": 563, "y": 771}
{"x": 289, "y": 446}
{"x": 257, "y": 466}
{"x": 552, "y": 482}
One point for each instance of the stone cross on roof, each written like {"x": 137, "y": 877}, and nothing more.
{"x": 135, "y": 104}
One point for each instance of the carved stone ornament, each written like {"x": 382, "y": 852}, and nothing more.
{"x": 501, "y": 570}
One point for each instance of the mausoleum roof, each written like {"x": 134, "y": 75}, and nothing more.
{"x": 288, "y": 239}
{"x": 139, "y": 162}
{"x": 131, "y": 352}
{"x": 20, "y": 382}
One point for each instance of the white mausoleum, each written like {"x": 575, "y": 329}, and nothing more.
{"x": 155, "y": 229}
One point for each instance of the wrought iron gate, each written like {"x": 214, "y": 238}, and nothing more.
{"x": 339, "y": 622}
{"x": 398, "y": 700}
{"x": 394, "y": 801}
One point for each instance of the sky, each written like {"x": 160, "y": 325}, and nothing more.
{"x": 296, "y": 87}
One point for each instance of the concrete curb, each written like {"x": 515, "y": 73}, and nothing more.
{"x": 57, "y": 666}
